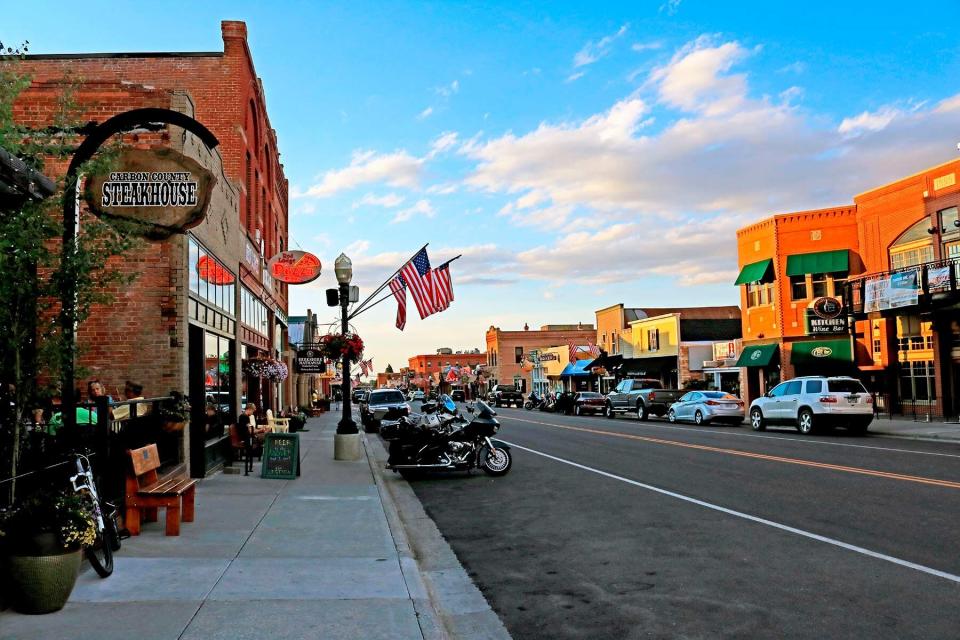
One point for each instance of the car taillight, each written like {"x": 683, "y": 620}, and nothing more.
{"x": 869, "y": 399}
{"x": 828, "y": 399}
{"x": 653, "y": 395}
{"x": 712, "y": 403}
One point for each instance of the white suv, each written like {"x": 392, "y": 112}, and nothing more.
{"x": 809, "y": 403}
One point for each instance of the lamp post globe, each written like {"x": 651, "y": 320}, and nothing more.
{"x": 343, "y": 267}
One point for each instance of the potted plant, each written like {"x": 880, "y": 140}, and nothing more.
{"x": 174, "y": 412}
{"x": 334, "y": 346}
{"x": 42, "y": 539}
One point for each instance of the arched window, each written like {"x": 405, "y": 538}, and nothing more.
{"x": 913, "y": 247}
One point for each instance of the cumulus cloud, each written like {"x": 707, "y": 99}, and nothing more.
{"x": 696, "y": 80}
{"x": 421, "y": 207}
{"x": 397, "y": 169}
{"x": 868, "y": 121}
{"x": 387, "y": 201}
{"x": 594, "y": 51}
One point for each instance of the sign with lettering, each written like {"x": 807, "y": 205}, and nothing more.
{"x": 309, "y": 359}
{"x": 897, "y": 290}
{"x": 825, "y": 316}
{"x": 162, "y": 190}
{"x": 938, "y": 279}
{"x": 281, "y": 456}
{"x": 547, "y": 357}
{"x": 294, "y": 267}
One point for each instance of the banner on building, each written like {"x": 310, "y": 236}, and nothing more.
{"x": 938, "y": 279}
{"x": 892, "y": 292}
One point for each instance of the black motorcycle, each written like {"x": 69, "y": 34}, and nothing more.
{"x": 454, "y": 444}
{"x": 534, "y": 401}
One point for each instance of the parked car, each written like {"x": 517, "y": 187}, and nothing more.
{"x": 457, "y": 395}
{"x": 382, "y": 404}
{"x": 505, "y": 394}
{"x": 704, "y": 407}
{"x": 416, "y": 396}
{"x": 642, "y": 396}
{"x": 811, "y": 402}
{"x": 357, "y": 395}
{"x": 588, "y": 402}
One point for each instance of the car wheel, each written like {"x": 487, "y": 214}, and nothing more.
{"x": 757, "y": 422}
{"x": 805, "y": 422}
{"x": 642, "y": 413}
{"x": 672, "y": 416}
{"x": 576, "y": 410}
{"x": 608, "y": 411}
{"x": 698, "y": 417}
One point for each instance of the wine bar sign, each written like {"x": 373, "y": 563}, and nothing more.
{"x": 161, "y": 189}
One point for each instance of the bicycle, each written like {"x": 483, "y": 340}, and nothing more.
{"x": 107, "y": 540}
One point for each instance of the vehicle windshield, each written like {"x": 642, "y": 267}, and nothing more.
{"x": 386, "y": 397}
{"x": 448, "y": 404}
{"x": 845, "y": 386}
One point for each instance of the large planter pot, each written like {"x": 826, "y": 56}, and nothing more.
{"x": 171, "y": 426}
{"x": 42, "y": 583}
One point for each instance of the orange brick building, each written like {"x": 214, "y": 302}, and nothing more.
{"x": 176, "y": 327}
{"x": 869, "y": 290}
{"x": 508, "y": 352}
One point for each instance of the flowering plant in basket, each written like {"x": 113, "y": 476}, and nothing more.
{"x": 62, "y": 516}
{"x": 268, "y": 368}
{"x": 336, "y": 345}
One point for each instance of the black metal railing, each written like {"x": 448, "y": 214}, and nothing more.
{"x": 891, "y": 407}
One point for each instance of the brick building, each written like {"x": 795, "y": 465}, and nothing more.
{"x": 427, "y": 371}
{"x": 870, "y": 290}
{"x": 508, "y": 352}
{"x": 202, "y": 302}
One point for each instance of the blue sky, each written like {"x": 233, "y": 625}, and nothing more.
{"x": 576, "y": 155}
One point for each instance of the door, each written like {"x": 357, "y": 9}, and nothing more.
{"x": 680, "y": 409}
{"x": 789, "y": 403}
{"x": 771, "y": 406}
{"x": 195, "y": 372}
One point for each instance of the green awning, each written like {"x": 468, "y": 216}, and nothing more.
{"x": 756, "y": 272}
{"x": 821, "y": 262}
{"x": 758, "y": 355}
{"x": 819, "y": 351}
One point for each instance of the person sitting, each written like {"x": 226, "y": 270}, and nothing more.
{"x": 212, "y": 425}
{"x": 247, "y": 427}
{"x": 131, "y": 391}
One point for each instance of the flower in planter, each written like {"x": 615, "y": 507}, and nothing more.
{"x": 270, "y": 368}
{"x": 64, "y": 515}
{"x": 336, "y": 345}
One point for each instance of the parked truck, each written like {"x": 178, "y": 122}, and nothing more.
{"x": 503, "y": 395}
{"x": 641, "y": 396}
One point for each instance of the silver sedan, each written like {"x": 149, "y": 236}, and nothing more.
{"x": 704, "y": 407}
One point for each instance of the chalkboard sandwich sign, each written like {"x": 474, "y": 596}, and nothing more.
{"x": 281, "y": 456}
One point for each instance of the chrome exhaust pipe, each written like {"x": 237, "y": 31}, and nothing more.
{"x": 422, "y": 466}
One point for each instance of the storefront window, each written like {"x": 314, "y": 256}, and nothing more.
{"x": 253, "y": 313}
{"x": 916, "y": 381}
{"x": 218, "y": 382}
{"x": 210, "y": 279}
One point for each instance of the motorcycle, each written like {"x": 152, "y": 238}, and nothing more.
{"x": 534, "y": 401}
{"x": 454, "y": 443}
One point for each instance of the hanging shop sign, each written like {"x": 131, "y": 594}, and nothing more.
{"x": 547, "y": 357}
{"x": 892, "y": 292}
{"x": 161, "y": 190}
{"x": 309, "y": 359}
{"x": 294, "y": 267}
{"x": 825, "y": 316}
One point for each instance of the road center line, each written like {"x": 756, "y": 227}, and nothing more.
{"x": 746, "y": 516}
{"x": 758, "y": 456}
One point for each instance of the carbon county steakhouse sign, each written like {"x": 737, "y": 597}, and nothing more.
{"x": 161, "y": 189}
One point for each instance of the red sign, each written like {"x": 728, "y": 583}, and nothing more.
{"x": 213, "y": 272}
{"x": 294, "y": 267}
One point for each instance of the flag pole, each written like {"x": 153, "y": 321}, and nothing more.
{"x": 386, "y": 282}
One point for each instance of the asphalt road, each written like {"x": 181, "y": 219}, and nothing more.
{"x": 622, "y": 529}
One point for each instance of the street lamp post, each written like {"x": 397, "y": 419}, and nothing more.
{"x": 346, "y": 442}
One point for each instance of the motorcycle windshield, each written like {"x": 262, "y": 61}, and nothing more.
{"x": 484, "y": 410}
{"x": 448, "y": 404}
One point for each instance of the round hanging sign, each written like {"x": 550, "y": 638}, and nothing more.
{"x": 294, "y": 267}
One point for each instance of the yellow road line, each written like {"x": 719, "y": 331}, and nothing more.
{"x": 758, "y": 456}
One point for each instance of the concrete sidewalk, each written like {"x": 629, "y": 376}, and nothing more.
{"x": 314, "y": 557}
{"x": 919, "y": 429}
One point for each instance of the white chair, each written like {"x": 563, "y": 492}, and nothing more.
{"x": 277, "y": 425}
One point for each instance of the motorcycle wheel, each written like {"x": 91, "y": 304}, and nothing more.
{"x": 496, "y": 464}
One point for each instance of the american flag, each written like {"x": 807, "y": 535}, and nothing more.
{"x": 365, "y": 367}
{"x": 399, "y": 289}
{"x": 442, "y": 287}
{"x": 572, "y": 346}
{"x": 357, "y": 378}
{"x": 416, "y": 274}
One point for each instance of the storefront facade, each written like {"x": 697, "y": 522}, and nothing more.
{"x": 869, "y": 290}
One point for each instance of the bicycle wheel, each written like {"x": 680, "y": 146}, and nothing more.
{"x": 100, "y": 555}
{"x": 111, "y": 526}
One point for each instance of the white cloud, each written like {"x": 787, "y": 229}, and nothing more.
{"x": 421, "y": 207}
{"x": 646, "y": 46}
{"x": 867, "y": 121}
{"x": 573, "y": 77}
{"x": 449, "y": 89}
{"x": 670, "y": 7}
{"x": 949, "y": 104}
{"x": 397, "y": 169}
{"x": 593, "y": 51}
{"x": 357, "y": 248}
{"x": 323, "y": 239}
{"x": 797, "y": 67}
{"x": 695, "y": 79}
{"x": 387, "y": 201}
{"x": 426, "y": 113}
{"x": 442, "y": 143}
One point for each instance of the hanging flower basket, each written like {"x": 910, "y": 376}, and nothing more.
{"x": 334, "y": 346}
{"x": 269, "y": 368}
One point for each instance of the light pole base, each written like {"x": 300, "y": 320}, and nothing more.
{"x": 346, "y": 446}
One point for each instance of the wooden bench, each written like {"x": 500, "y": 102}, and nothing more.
{"x": 146, "y": 492}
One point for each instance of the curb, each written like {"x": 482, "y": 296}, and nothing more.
{"x": 449, "y": 604}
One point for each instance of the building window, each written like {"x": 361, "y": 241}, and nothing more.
{"x": 518, "y": 354}
{"x": 253, "y": 313}
{"x": 210, "y": 279}
{"x": 818, "y": 283}
{"x": 949, "y": 220}
{"x": 877, "y": 349}
{"x": 753, "y": 294}
{"x": 653, "y": 339}
{"x": 916, "y": 381}
{"x": 798, "y": 287}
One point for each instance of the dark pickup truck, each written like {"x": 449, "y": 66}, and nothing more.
{"x": 505, "y": 394}
{"x": 641, "y": 396}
